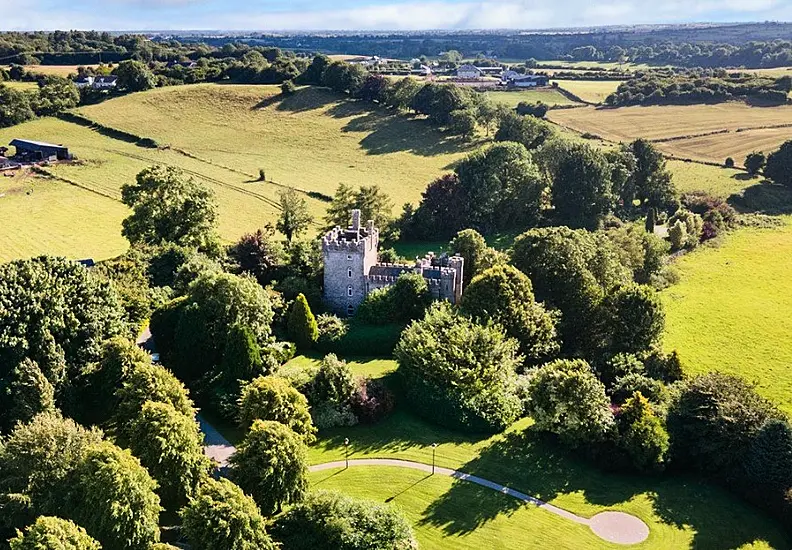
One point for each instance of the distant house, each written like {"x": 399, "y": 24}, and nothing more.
{"x": 491, "y": 71}
{"x": 35, "y": 151}
{"x": 528, "y": 81}
{"x": 105, "y": 82}
{"x": 469, "y": 72}
{"x": 509, "y": 75}
{"x": 423, "y": 70}
{"x": 84, "y": 82}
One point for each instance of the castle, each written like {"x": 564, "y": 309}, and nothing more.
{"x": 352, "y": 270}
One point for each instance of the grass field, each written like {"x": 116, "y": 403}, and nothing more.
{"x": 24, "y": 86}
{"x": 593, "y": 91}
{"x": 719, "y": 182}
{"x": 681, "y": 512}
{"x": 547, "y": 96}
{"x": 664, "y": 122}
{"x": 730, "y": 312}
{"x": 372, "y": 367}
{"x": 313, "y": 141}
{"x": 59, "y": 70}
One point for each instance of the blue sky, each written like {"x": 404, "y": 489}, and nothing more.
{"x": 375, "y": 14}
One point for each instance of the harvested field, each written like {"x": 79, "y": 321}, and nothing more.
{"x": 593, "y": 91}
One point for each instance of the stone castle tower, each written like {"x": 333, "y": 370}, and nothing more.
{"x": 351, "y": 269}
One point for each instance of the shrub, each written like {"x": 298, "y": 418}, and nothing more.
{"x": 567, "y": 399}
{"x": 622, "y": 364}
{"x": 641, "y": 434}
{"x": 222, "y": 516}
{"x": 371, "y": 401}
{"x": 302, "y": 324}
{"x": 270, "y": 465}
{"x": 663, "y": 366}
{"x": 288, "y": 87}
{"x": 51, "y": 533}
{"x": 275, "y": 399}
{"x": 779, "y": 165}
{"x": 693, "y": 226}
{"x": 754, "y": 162}
{"x": 677, "y": 235}
{"x": 634, "y": 318}
{"x": 729, "y": 163}
{"x": 113, "y": 496}
{"x": 405, "y": 300}
{"x": 241, "y": 355}
{"x": 332, "y": 520}
{"x": 458, "y": 373}
{"x": 333, "y": 382}
{"x": 768, "y": 463}
{"x": 29, "y": 393}
{"x": 331, "y": 328}
{"x": 328, "y": 415}
{"x": 151, "y": 383}
{"x": 627, "y": 385}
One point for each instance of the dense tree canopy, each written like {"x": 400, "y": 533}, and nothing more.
{"x": 274, "y": 398}
{"x": 504, "y": 294}
{"x": 458, "y": 373}
{"x": 169, "y": 206}
{"x": 270, "y": 465}
{"x": 134, "y": 76}
{"x": 779, "y": 165}
{"x": 332, "y": 520}
{"x": 222, "y": 516}
{"x": 51, "y": 533}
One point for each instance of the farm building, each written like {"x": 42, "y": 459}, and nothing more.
{"x": 32, "y": 151}
{"x": 84, "y": 82}
{"x": 423, "y": 70}
{"x": 468, "y": 72}
{"x": 528, "y": 81}
{"x": 491, "y": 71}
{"x": 105, "y": 82}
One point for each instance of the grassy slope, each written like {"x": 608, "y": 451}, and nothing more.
{"x": 731, "y": 310}
{"x": 720, "y": 182}
{"x": 312, "y": 141}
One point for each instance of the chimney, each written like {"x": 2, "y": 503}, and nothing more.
{"x": 356, "y": 220}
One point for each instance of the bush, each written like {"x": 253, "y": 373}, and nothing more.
{"x": 729, "y": 162}
{"x": 331, "y": 328}
{"x": 677, "y": 235}
{"x": 29, "y": 393}
{"x": 270, "y": 465}
{"x": 51, "y": 533}
{"x": 618, "y": 366}
{"x": 693, "y": 227}
{"x": 458, "y": 373}
{"x": 288, "y": 87}
{"x": 641, "y": 434}
{"x": 332, "y": 520}
{"x": 779, "y": 165}
{"x": 567, "y": 399}
{"x": 754, "y": 162}
{"x": 328, "y": 415}
{"x": 302, "y": 324}
{"x": 222, "y": 516}
{"x": 363, "y": 339}
{"x": 634, "y": 317}
{"x": 627, "y": 385}
{"x": 371, "y": 401}
{"x": 151, "y": 383}
{"x": 242, "y": 356}
{"x": 405, "y": 300}
{"x": 663, "y": 366}
{"x": 273, "y": 398}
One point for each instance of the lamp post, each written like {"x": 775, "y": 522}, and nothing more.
{"x": 346, "y": 451}
{"x": 434, "y": 449}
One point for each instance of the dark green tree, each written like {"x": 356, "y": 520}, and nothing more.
{"x": 222, "y": 516}
{"x": 504, "y": 294}
{"x": 652, "y": 182}
{"x": 259, "y": 254}
{"x": 275, "y": 399}
{"x": 634, "y": 319}
{"x": 768, "y": 462}
{"x": 28, "y": 394}
{"x": 147, "y": 382}
{"x": 170, "y": 446}
{"x": 168, "y": 206}
{"x": 754, "y": 162}
{"x": 302, "y": 324}
{"x": 294, "y": 217}
{"x": 779, "y": 165}
{"x": 270, "y": 465}
{"x": 114, "y": 498}
{"x": 529, "y": 131}
{"x": 134, "y": 76}
{"x": 333, "y": 520}
{"x": 241, "y": 355}
{"x": 641, "y": 434}
{"x": 478, "y": 257}
{"x": 14, "y": 107}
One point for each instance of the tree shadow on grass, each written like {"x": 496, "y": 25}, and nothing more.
{"x": 302, "y": 100}
{"x": 763, "y": 198}
{"x": 534, "y": 464}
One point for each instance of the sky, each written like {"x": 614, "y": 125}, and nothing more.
{"x": 375, "y": 14}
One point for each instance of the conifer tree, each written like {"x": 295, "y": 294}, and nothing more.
{"x": 302, "y": 324}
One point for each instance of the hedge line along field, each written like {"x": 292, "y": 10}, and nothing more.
{"x": 680, "y": 125}
{"x": 730, "y": 311}
{"x": 313, "y": 141}
{"x": 593, "y": 91}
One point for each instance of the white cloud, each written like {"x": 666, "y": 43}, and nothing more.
{"x": 407, "y": 15}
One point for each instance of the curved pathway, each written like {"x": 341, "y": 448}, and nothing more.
{"x": 615, "y": 527}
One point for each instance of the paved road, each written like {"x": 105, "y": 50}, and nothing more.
{"x": 216, "y": 446}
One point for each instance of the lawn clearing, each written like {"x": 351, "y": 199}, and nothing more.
{"x": 593, "y": 91}
{"x": 681, "y": 512}
{"x": 719, "y": 182}
{"x": 370, "y": 367}
{"x": 684, "y": 123}
{"x": 730, "y": 312}
{"x": 548, "y": 96}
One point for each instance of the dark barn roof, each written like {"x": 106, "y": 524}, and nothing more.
{"x": 36, "y": 145}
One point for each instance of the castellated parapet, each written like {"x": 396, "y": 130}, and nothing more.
{"x": 351, "y": 269}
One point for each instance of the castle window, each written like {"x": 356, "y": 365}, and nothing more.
{"x": 350, "y": 309}
{"x": 349, "y": 272}
{"x": 349, "y": 290}
{"x": 349, "y": 257}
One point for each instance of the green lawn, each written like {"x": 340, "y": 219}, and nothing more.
{"x": 23, "y": 86}
{"x": 730, "y": 312}
{"x": 371, "y": 367}
{"x": 681, "y": 512}
{"x": 720, "y": 182}
{"x": 548, "y": 96}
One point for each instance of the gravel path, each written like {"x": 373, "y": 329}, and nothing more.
{"x": 216, "y": 446}
{"x": 616, "y": 527}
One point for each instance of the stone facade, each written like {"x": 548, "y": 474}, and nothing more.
{"x": 351, "y": 269}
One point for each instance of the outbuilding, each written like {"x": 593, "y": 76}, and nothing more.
{"x": 33, "y": 151}
{"x": 469, "y": 72}
{"x": 528, "y": 81}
